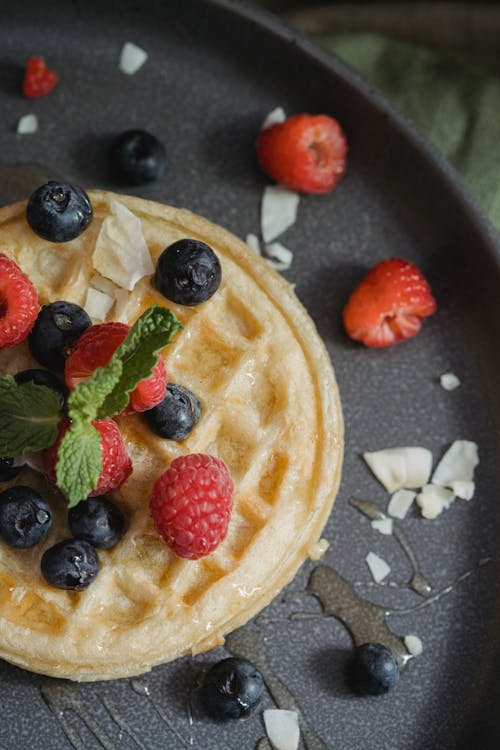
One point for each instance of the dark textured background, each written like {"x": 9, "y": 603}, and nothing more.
{"x": 213, "y": 73}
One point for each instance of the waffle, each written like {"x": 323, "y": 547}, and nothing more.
{"x": 270, "y": 410}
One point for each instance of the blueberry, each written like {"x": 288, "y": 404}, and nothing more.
{"x": 231, "y": 689}
{"x": 57, "y": 328}
{"x": 71, "y": 564}
{"x": 43, "y": 377}
{"x": 59, "y": 212}
{"x": 372, "y": 670}
{"x": 25, "y": 516}
{"x": 8, "y": 470}
{"x": 97, "y": 521}
{"x": 188, "y": 272}
{"x": 137, "y": 157}
{"x": 176, "y": 415}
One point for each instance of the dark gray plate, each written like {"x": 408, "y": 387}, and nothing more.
{"x": 215, "y": 69}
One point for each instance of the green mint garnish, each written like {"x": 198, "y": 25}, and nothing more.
{"x": 106, "y": 393}
{"x": 29, "y": 416}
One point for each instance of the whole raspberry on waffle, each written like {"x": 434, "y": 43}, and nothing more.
{"x": 95, "y": 347}
{"x": 116, "y": 463}
{"x": 19, "y": 304}
{"x": 191, "y": 504}
{"x": 305, "y": 152}
{"x": 38, "y": 79}
{"x": 388, "y": 305}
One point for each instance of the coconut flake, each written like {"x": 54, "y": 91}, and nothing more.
{"x": 456, "y": 468}
{"x": 253, "y": 243}
{"x": 27, "y": 124}
{"x": 449, "y": 381}
{"x": 98, "y": 304}
{"x": 432, "y": 500}
{"x": 278, "y": 212}
{"x": 383, "y": 525}
{"x": 413, "y": 644}
{"x": 378, "y": 567}
{"x": 132, "y": 58}
{"x": 282, "y": 728}
{"x": 275, "y": 116}
{"x": 121, "y": 253}
{"x": 278, "y": 256}
{"x": 398, "y": 468}
{"x": 400, "y": 503}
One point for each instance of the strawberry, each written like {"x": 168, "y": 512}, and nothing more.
{"x": 305, "y": 152}
{"x": 19, "y": 304}
{"x": 388, "y": 304}
{"x": 38, "y": 79}
{"x": 191, "y": 504}
{"x": 116, "y": 463}
{"x": 95, "y": 347}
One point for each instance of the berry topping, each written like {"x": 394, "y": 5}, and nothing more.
{"x": 57, "y": 328}
{"x": 372, "y": 670}
{"x": 71, "y": 564}
{"x": 305, "y": 152}
{"x": 43, "y": 377}
{"x": 8, "y": 470}
{"x": 231, "y": 689}
{"x": 388, "y": 304}
{"x": 25, "y": 516}
{"x": 59, "y": 212}
{"x": 191, "y": 504}
{"x": 96, "y": 347}
{"x": 38, "y": 79}
{"x": 138, "y": 157}
{"x": 116, "y": 463}
{"x": 188, "y": 272}
{"x": 97, "y": 521}
{"x": 175, "y": 416}
{"x": 18, "y": 303}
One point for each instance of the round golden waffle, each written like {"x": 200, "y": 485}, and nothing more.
{"x": 270, "y": 410}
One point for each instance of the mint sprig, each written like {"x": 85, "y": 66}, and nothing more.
{"x": 29, "y": 417}
{"x": 106, "y": 393}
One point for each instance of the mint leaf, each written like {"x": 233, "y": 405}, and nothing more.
{"x": 29, "y": 416}
{"x": 86, "y": 399}
{"x": 138, "y": 354}
{"x": 79, "y": 462}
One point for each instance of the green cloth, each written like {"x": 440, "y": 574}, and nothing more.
{"x": 454, "y": 102}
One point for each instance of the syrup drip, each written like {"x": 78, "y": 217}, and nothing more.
{"x": 248, "y": 643}
{"x": 18, "y": 181}
{"x": 418, "y": 583}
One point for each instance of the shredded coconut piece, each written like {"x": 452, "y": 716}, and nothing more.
{"x": 398, "y": 468}
{"x": 413, "y": 644}
{"x": 400, "y": 503}
{"x": 278, "y": 256}
{"x": 378, "y": 567}
{"x": 98, "y": 304}
{"x": 383, "y": 525}
{"x": 449, "y": 381}
{"x": 276, "y": 115}
{"x": 318, "y": 549}
{"x": 432, "y": 500}
{"x": 282, "y": 728}
{"x": 253, "y": 243}
{"x": 27, "y": 124}
{"x": 456, "y": 468}
{"x": 121, "y": 253}
{"x": 278, "y": 212}
{"x": 132, "y": 58}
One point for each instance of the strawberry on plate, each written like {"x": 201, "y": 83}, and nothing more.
{"x": 388, "y": 305}
{"x": 38, "y": 79}
{"x": 304, "y": 152}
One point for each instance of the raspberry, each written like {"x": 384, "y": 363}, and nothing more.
{"x": 388, "y": 304}
{"x": 305, "y": 152}
{"x": 191, "y": 504}
{"x": 18, "y": 303}
{"x": 95, "y": 347}
{"x": 116, "y": 463}
{"x": 38, "y": 79}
